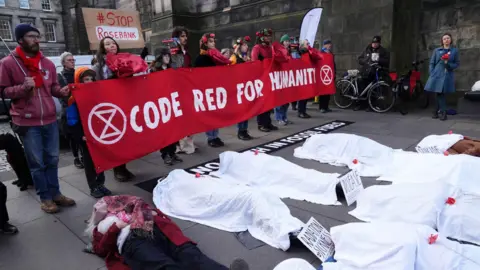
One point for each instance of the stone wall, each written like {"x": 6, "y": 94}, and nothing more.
{"x": 460, "y": 18}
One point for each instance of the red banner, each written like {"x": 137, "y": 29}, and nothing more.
{"x": 126, "y": 119}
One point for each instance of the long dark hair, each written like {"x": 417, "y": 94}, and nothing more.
{"x": 101, "y": 52}
{"x": 159, "y": 60}
{"x": 451, "y": 38}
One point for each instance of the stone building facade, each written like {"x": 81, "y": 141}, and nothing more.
{"x": 46, "y": 15}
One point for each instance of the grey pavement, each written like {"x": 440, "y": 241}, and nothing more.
{"x": 51, "y": 242}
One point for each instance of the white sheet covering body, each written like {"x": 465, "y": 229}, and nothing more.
{"x": 278, "y": 176}
{"x": 461, "y": 220}
{"x": 294, "y": 264}
{"x": 409, "y": 203}
{"x": 341, "y": 149}
{"x": 460, "y": 171}
{"x": 229, "y": 207}
{"x": 398, "y": 246}
{"x": 441, "y": 142}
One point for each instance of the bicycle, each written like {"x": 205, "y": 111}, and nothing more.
{"x": 410, "y": 88}
{"x": 348, "y": 91}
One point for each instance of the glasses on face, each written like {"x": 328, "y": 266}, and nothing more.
{"x": 37, "y": 37}
{"x": 71, "y": 60}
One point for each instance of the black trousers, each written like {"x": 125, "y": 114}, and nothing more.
{"x": 160, "y": 253}
{"x": 264, "y": 119}
{"x": 302, "y": 106}
{"x": 169, "y": 150}
{"x": 93, "y": 179}
{"x": 16, "y": 158}
{"x": 3, "y": 204}
{"x": 323, "y": 102}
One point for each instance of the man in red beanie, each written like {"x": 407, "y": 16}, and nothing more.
{"x": 29, "y": 79}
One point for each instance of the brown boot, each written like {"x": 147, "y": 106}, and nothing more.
{"x": 63, "y": 201}
{"x": 49, "y": 207}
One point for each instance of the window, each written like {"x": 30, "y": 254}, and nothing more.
{"x": 5, "y": 30}
{"x": 28, "y": 21}
{"x": 162, "y": 6}
{"x": 50, "y": 32}
{"x": 24, "y": 4}
{"x": 2, "y": 3}
{"x": 46, "y": 5}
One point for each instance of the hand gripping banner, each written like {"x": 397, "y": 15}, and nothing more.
{"x": 126, "y": 119}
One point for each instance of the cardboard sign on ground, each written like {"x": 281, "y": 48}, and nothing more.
{"x": 352, "y": 186}
{"x": 121, "y": 25}
{"x": 317, "y": 239}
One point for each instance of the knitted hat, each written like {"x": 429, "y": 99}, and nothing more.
{"x": 285, "y": 37}
{"x": 24, "y": 28}
{"x": 327, "y": 41}
{"x": 377, "y": 39}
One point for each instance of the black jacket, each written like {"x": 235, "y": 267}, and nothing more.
{"x": 366, "y": 58}
{"x": 204, "y": 61}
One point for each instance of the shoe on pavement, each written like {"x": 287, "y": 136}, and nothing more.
{"x": 435, "y": 115}
{"x": 78, "y": 163}
{"x": 49, "y": 207}
{"x": 215, "y": 143}
{"x": 105, "y": 190}
{"x": 97, "y": 193}
{"x": 304, "y": 115}
{"x": 239, "y": 264}
{"x": 244, "y": 136}
{"x": 167, "y": 159}
{"x": 282, "y": 123}
{"x": 62, "y": 200}
{"x": 220, "y": 142}
{"x": 442, "y": 116}
{"x": 176, "y": 158}
{"x": 264, "y": 129}
{"x": 8, "y": 228}
{"x": 272, "y": 127}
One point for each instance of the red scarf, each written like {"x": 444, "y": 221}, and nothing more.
{"x": 33, "y": 66}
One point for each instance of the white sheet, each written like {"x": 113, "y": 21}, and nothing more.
{"x": 462, "y": 219}
{"x": 278, "y": 176}
{"x": 460, "y": 171}
{"x": 441, "y": 142}
{"x": 398, "y": 246}
{"x": 341, "y": 149}
{"x": 294, "y": 264}
{"x": 229, "y": 207}
{"x": 410, "y": 203}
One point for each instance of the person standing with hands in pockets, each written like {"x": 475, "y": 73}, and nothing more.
{"x": 30, "y": 80}
{"x": 441, "y": 81}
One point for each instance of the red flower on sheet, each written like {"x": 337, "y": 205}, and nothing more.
{"x": 197, "y": 175}
{"x": 445, "y": 153}
{"x": 432, "y": 239}
{"x": 450, "y": 132}
{"x": 256, "y": 152}
{"x": 355, "y": 161}
{"x": 450, "y": 201}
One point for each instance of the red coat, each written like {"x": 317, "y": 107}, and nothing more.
{"x": 105, "y": 245}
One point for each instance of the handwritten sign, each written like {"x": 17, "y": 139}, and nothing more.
{"x": 429, "y": 150}
{"x": 352, "y": 186}
{"x": 121, "y": 25}
{"x": 317, "y": 239}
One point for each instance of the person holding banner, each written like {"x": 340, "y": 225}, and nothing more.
{"x": 264, "y": 49}
{"x": 164, "y": 62}
{"x": 281, "y": 111}
{"x": 210, "y": 57}
{"x": 240, "y": 55}
{"x": 109, "y": 45}
{"x": 324, "y": 100}
{"x": 30, "y": 80}
{"x": 180, "y": 56}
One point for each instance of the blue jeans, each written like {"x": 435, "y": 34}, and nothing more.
{"x": 242, "y": 126}
{"x": 441, "y": 102}
{"x": 41, "y": 145}
{"x": 212, "y": 134}
{"x": 281, "y": 112}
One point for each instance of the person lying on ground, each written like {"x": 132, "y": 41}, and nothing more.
{"x": 131, "y": 234}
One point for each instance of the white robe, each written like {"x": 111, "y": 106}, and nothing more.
{"x": 230, "y": 207}
{"x": 278, "y": 177}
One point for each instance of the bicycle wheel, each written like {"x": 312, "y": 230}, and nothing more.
{"x": 342, "y": 97}
{"x": 422, "y": 100}
{"x": 381, "y": 98}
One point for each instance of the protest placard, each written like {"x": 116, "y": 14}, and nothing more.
{"x": 352, "y": 186}
{"x": 317, "y": 239}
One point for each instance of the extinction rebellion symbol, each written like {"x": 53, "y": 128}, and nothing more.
{"x": 326, "y": 75}
{"x": 101, "y": 123}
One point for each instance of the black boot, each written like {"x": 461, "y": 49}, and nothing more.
{"x": 442, "y": 115}
{"x": 8, "y": 228}
{"x": 435, "y": 114}
{"x": 244, "y": 136}
{"x": 122, "y": 174}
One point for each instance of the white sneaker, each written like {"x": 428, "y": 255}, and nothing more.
{"x": 282, "y": 123}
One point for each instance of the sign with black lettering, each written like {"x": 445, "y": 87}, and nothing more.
{"x": 317, "y": 239}
{"x": 428, "y": 150}
{"x": 352, "y": 186}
